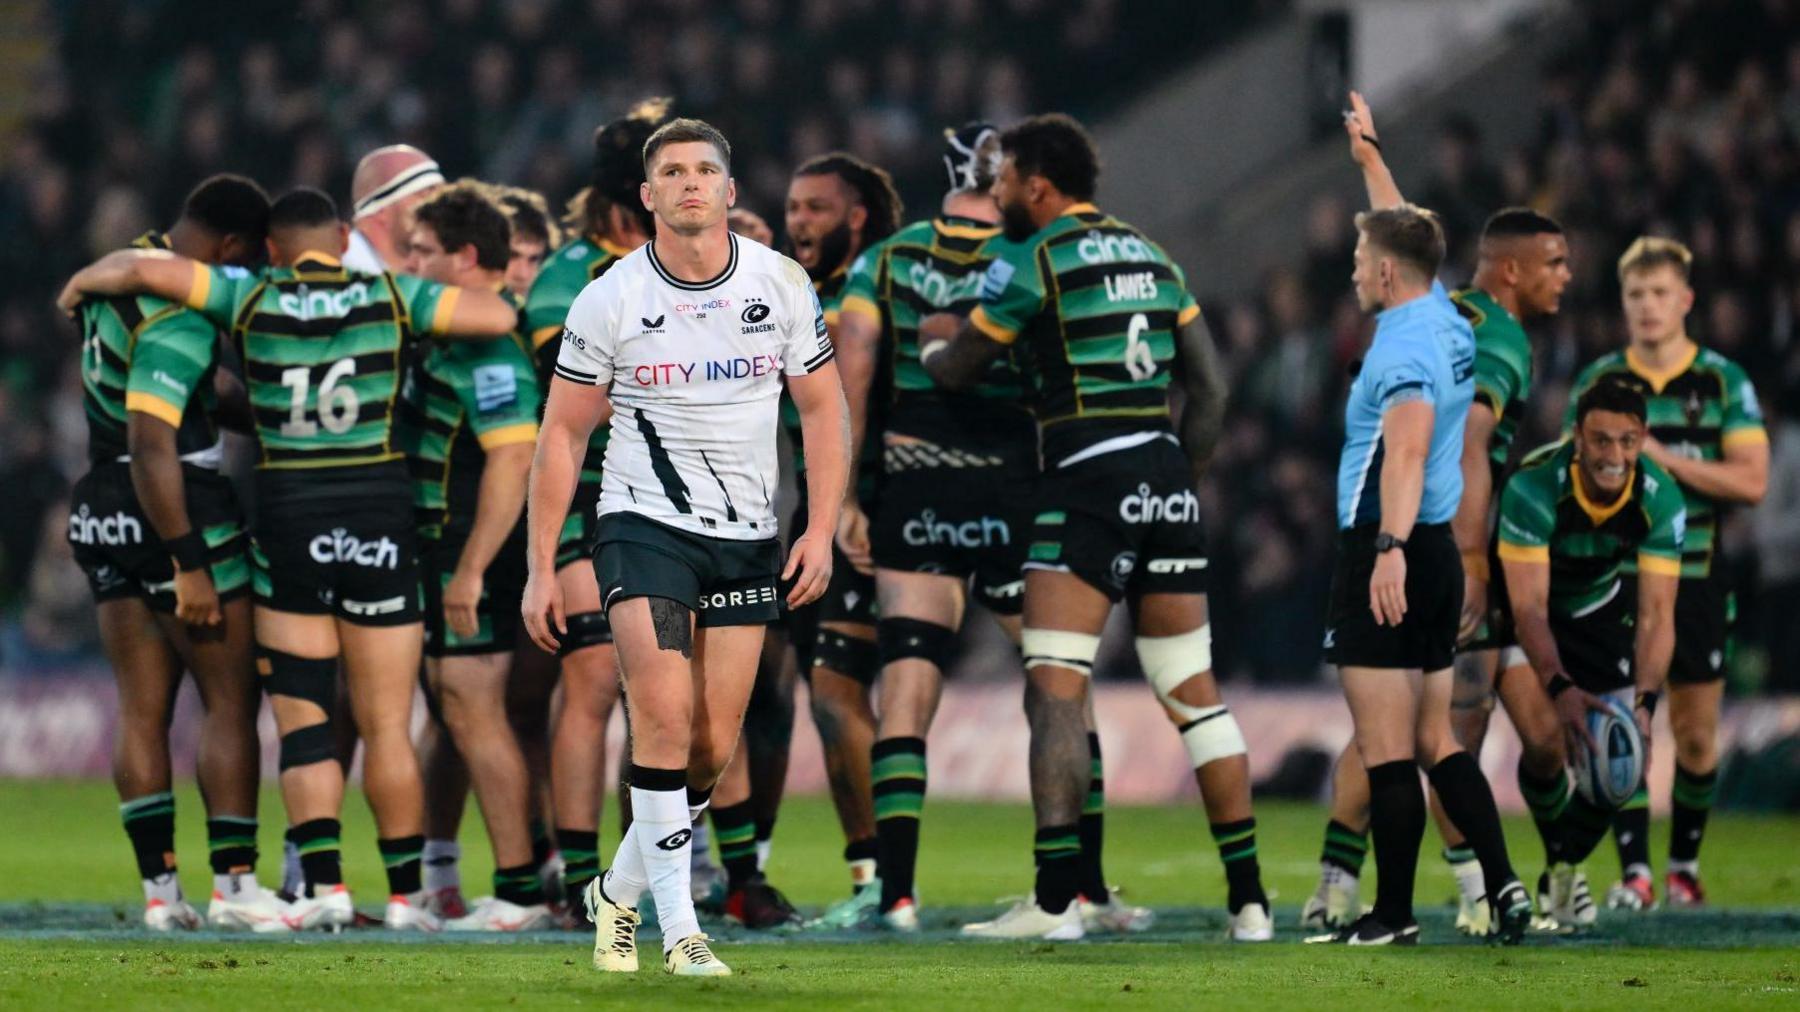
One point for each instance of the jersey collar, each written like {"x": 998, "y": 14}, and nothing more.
{"x": 1597, "y": 513}
{"x": 1660, "y": 378}
{"x": 1085, "y": 207}
{"x": 694, "y": 286}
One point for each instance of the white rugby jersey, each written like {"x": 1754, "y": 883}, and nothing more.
{"x": 695, "y": 375}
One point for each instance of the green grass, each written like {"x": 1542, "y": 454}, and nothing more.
{"x": 69, "y": 900}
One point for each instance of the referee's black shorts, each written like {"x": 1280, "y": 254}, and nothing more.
{"x": 1426, "y": 638}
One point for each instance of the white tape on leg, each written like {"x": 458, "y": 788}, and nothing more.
{"x": 1214, "y": 734}
{"x": 1169, "y": 661}
{"x": 1060, "y": 648}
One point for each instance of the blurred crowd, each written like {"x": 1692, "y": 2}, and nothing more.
{"x": 1674, "y": 118}
{"x": 1678, "y": 117}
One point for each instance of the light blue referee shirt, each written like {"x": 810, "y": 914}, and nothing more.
{"x": 1423, "y": 351}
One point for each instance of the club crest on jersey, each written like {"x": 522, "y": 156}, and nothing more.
{"x": 755, "y": 317}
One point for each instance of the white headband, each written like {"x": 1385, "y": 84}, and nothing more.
{"x": 422, "y": 176}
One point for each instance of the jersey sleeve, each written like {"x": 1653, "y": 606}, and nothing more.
{"x": 499, "y": 391}
{"x": 860, "y": 288}
{"x": 174, "y": 354}
{"x": 1012, "y": 292}
{"x": 1743, "y": 413}
{"x": 590, "y": 336}
{"x": 1397, "y": 378}
{"x": 805, "y": 339}
{"x": 547, "y": 304}
{"x": 218, "y": 291}
{"x": 1186, "y": 306}
{"x": 1527, "y": 519}
{"x": 1666, "y": 509}
{"x": 429, "y": 304}
{"x": 1499, "y": 376}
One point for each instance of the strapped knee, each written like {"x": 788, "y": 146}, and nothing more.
{"x": 1168, "y": 661}
{"x": 311, "y": 679}
{"x": 1060, "y": 648}
{"x": 1213, "y": 734}
{"x": 902, "y": 638}
{"x": 586, "y": 629}
{"x": 313, "y": 743}
{"x": 853, "y": 657}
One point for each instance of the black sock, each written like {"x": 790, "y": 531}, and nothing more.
{"x": 1237, "y": 849}
{"x": 150, "y": 825}
{"x": 231, "y": 839}
{"x": 1397, "y": 822}
{"x": 404, "y": 858}
{"x": 1631, "y": 830}
{"x": 1345, "y": 847}
{"x": 1057, "y": 850}
{"x": 765, "y": 829}
{"x": 1467, "y": 799}
{"x": 581, "y": 861}
{"x": 1692, "y": 801}
{"x": 897, "y": 771}
{"x": 541, "y": 847}
{"x": 1582, "y": 826}
{"x": 519, "y": 884}
{"x": 1093, "y": 827}
{"x": 1546, "y": 798}
{"x": 320, "y": 864}
{"x": 734, "y": 827}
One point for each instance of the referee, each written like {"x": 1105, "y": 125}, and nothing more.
{"x": 1397, "y": 587}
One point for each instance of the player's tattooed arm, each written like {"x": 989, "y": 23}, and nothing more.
{"x": 131, "y": 272}
{"x": 954, "y": 352}
{"x": 1202, "y": 381}
{"x": 674, "y": 626}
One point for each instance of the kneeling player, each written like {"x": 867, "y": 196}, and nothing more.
{"x": 688, "y": 556}
{"x": 1118, "y": 518}
{"x": 1571, "y": 519}
{"x": 159, "y": 533}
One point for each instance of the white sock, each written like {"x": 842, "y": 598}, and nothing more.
{"x": 1676, "y": 867}
{"x": 237, "y": 886}
{"x": 665, "y": 839}
{"x": 1332, "y": 875}
{"x": 762, "y": 853}
{"x": 702, "y": 845}
{"x": 293, "y": 880}
{"x": 441, "y": 868}
{"x": 1469, "y": 880}
{"x": 1641, "y": 870}
{"x": 862, "y": 872}
{"x": 624, "y": 882}
{"x": 165, "y": 887}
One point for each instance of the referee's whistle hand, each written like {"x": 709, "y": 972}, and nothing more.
{"x": 1387, "y": 588}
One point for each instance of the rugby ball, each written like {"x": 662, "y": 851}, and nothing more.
{"x": 1608, "y": 778}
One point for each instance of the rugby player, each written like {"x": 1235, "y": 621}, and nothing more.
{"x": 389, "y": 183}
{"x": 685, "y": 344}
{"x": 534, "y": 234}
{"x": 159, "y": 533}
{"x": 336, "y": 571}
{"x": 1706, "y": 429}
{"x": 609, "y": 220}
{"x": 1397, "y": 585}
{"x": 1571, "y": 520}
{"x": 1522, "y": 268}
{"x": 1101, "y": 319}
{"x": 837, "y": 205}
{"x": 470, "y": 421}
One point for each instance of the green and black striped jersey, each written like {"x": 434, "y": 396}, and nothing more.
{"x": 936, "y": 266}
{"x": 565, "y": 273}
{"x": 323, "y": 351}
{"x": 1546, "y": 518}
{"x": 142, "y": 353}
{"x": 830, "y": 292}
{"x": 461, "y": 399}
{"x": 1697, "y": 409}
{"x": 1502, "y": 368}
{"x": 1092, "y": 306}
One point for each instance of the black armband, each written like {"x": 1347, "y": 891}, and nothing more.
{"x": 1559, "y": 684}
{"x": 189, "y": 551}
{"x": 1648, "y": 701}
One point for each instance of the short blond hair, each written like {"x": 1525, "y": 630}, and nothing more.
{"x": 1649, "y": 252}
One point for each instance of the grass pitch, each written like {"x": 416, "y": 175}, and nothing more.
{"x": 69, "y": 907}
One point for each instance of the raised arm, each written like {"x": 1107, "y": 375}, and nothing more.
{"x": 1741, "y": 477}
{"x": 1365, "y": 150}
{"x": 134, "y": 272}
{"x": 472, "y": 314}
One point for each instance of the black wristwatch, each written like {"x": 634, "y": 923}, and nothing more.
{"x": 1385, "y": 542}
